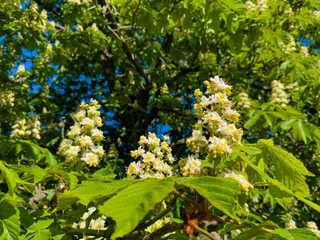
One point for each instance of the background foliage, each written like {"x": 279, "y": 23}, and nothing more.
{"x": 142, "y": 60}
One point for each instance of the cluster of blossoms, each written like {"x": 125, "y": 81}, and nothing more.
{"x": 27, "y": 128}
{"x": 304, "y": 51}
{"x": 153, "y": 160}
{"x": 193, "y": 167}
{"x": 290, "y": 47}
{"x": 86, "y": 2}
{"x": 243, "y": 100}
{"x": 316, "y": 15}
{"x": 213, "y": 113}
{"x": 314, "y": 228}
{"x": 243, "y": 182}
{"x": 278, "y": 95}
{"x": 7, "y": 98}
{"x": 294, "y": 86}
{"x": 288, "y": 12}
{"x": 84, "y": 136}
{"x": 21, "y": 69}
{"x": 158, "y": 224}
{"x": 289, "y": 222}
{"x": 260, "y": 6}
{"x": 96, "y": 224}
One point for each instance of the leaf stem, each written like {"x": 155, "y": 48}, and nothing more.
{"x": 175, "y": 191}
{"x": 200, "y": 230}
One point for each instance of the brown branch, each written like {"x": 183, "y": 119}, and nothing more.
{"x": 175, "y": 191}
{"x": 107, "y": 14}
{"x": 222, "y": 219}
{"x": 153, "y": 220}
{"x": 200, "y": 230}
{"x": 168, "y": 228}
{"x": 90, "y": 232}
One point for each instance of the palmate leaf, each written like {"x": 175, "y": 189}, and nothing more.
{"x": 222, "y": 193}
{"x": 131, "y": 205}
{"x": 9, "y": 222}
{"x": 288, "y": 170}
{"x": 10, "y": 177}
{"x": 89, "y": 191}
{"x": 29, "y": 149}
{"x": 234, "y": 5}
{"x": 294, "y": 234}
{"x": 281, "y": 187}
{"x": 302, "y": 130}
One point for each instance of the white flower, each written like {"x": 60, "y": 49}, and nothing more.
{"x": 90, "y": 158}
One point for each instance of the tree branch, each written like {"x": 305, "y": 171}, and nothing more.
{"x": 168, "y": 228}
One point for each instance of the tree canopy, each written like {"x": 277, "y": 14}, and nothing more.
{"x": 94, "y": 93}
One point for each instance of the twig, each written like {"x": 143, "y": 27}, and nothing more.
{"x": 156, "y": 218}
{"x": 222, "y": 219}
{"x": 200, "y": 230}
{"x": 175, "y": 191}
{"x": 168, "y": 228}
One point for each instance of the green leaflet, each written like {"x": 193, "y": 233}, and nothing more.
{"x": 280, "y": 186}
{"x": 302, "y": 130}
{"x": 222, "y": 193}
{"x": 10, "y": 177}
{"x": 9, "y": 222}
{"x": 234, "y": 5}
{"x": 262, "y": 231}
{"x": 89, "y": 191}
{"x": 131, "y": 205}
{"x": 294, "y": 234}
{"x": 29, "y": 149}
{"x": 288, "y": 170}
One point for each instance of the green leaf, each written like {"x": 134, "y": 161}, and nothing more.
{"x": 294, "y": 234}
{"x": 302, "y": 130}
{"x": 316, "y": 136}
{"x": 104, "y": 174}
{"x": 288, "y": 170}
{"x": 234, "y": 5}
{"x": 250, "y": 149}
{"x": 89, "y": 191}
{"x": 281, "y": 186}
{"x": 9, "y": 222}
{"x": 282, "y": 197}
{"x": 252, "y": 121}
{"x": 44, "y": 234}
{"x": 131, "y": 205}
{"x": 222, "y": 193}
{"x": 10, "y": 176}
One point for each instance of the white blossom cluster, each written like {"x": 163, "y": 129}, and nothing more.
{"x": 290, "y": 47}
{"x": 27, "y": 128}
{"x": 260, "y": 6}
{"x": 113, "y": 152}
{"x": 96, "y": 224}
{"x": 157, "y": 225}
{"x": 6, "y": 98}
{"x": 243, "y": 101}
{"x": 153, "y": 160}
{"x": 278, "y": 95}
{"x": 216, "y": 118}
{"x": 304, "y": 51}
{"x": 243, "y": 182}
{"x": 21, "y": 69}
{"x": 294, "y": 86}
{"x": 86, "y": 2}
{"x": 316, "y": 15}
{"x": 288, "y": 12}
{"x": 314, "y": 228}
{"x": 289, "y": 222}
{"x": 84, "y": 136}
{"x": 193, "y": 167}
